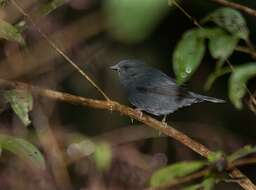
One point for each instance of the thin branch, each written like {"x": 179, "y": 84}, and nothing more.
{"x": 240, "y": 7}
{"x": 124, "y": 110}
{"x": 57, "y": 49}
{"x": 195, "y": 22}
{"x": 241, "y": 162}
{"x": 246, "y": 50}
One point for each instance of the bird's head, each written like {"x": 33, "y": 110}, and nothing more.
{"x": 128, "y": 68}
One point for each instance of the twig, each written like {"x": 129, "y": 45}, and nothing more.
{"x": 124, "y": 110}
{"x": 56, "y": 48}
{"x": 242, "y": 162}
{"x": 246, "y": 50}
{"x": 195, "y": 22}
{"x": 240, "y": 7}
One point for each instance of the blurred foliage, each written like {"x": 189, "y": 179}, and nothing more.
{"x": 50, "y": 6}
{"x": 23, "y": 149}
{"x": 216, "y": 163}
{"x": 21, "y": 102}
{"x": 9, "y": 32}
{"x": 243, "y": 152}
{"x": 170, "y": 173}
{"x": 3, "y": 3}
{"x": 131, "y": 21}
{"x": 103, "y": 156}
{"x": 238, "y": 80}
{"x": 207, "y": 184}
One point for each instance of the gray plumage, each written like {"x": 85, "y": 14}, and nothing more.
{"x": 154, "y": 92}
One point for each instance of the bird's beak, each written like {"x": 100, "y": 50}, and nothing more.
{"x": 114, "y": 67}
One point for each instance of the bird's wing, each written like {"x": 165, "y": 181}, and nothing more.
{"x": 156, "y": 82}
{"x": 164, "y": 90}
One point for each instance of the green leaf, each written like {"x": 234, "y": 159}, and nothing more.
{"x": 21, "y": 102}
{"x": 170, "y": 173}
{"x": 23, "y": 149}
{"x": 3, "y": 3}
{"x": 103, "y": 156}
{"x": 207, "y": 184}
{"x": 51, "y": 6}
{"x": 193, "y": 187}
{"x": 230, "y": 20}
{"x": 215, "y": 156}
{"x": 237, "y": 82}
{"x": 188, "y": 55}
{"x": 221, "y": 46}
{"x": 9, "y": 32}
{"x": 245, "y": 151}
{"x": 131, "y": 21}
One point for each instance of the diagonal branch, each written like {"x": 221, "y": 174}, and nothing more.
{"x": 124, "y": 110}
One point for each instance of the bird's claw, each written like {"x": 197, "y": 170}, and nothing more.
{"x": 164, "y": 121}
{"x": 139, "y": 112}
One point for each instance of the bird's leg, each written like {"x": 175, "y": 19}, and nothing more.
{"x": 164, "y": 120}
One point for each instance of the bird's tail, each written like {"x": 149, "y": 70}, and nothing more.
{"x": 202, "y": 98}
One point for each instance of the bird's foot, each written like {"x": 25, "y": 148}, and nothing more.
{"x": 164, "y": 121}
{"x": 139, "y": 112}
{"x": 132, "y": 120}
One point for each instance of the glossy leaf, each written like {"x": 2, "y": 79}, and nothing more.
{"x": 131, "y": 21}
{"x": 188, "y": 55}
{"x": 9, "y": 32}
{"x": 170, "y": 173}
{"x": 21, "y": 102}
{"x": 242, "y": 153}
{"x": 23, "y": 149}
{"x": 221, "y": 46}
{"x": 230, "y": 20}
{"x": 237, "y": 82}
{"x": 103, "y": 156}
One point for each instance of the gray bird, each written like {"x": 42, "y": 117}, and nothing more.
{"x": 152, "y": 91}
